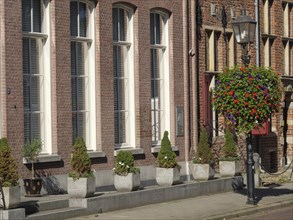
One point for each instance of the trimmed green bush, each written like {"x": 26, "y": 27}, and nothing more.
{"x": 229, "y": 149}
{"x": 31, "y": 151}
{"x": 8, "y": 166}
{"x": 204, "y": 153}
{"x": 124, "y": 163}
{"x": 166, "y": 157}
{"x": 80, "y": 161}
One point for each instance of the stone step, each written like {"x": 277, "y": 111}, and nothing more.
{"x": 57, "y": 214}
{"x": 35, "y": 206}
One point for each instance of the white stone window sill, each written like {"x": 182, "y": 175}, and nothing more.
{"x": 44, "y": 158}
{"x": 96, "y": 154}
{"x": 134, "y": 151}
{"x": 156, "y": 149}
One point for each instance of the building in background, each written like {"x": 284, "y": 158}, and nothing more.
{"x": 121, "y": 73}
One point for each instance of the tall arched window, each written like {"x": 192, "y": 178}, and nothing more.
{"x": 37, "y": 71}
{"x": 83, "y": 72}
{"x": 160, "y": 94}
{"x": 123, "y": 58}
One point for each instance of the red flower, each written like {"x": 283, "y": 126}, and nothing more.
{"x": 245, "y": 103}
{"x": 231, "y": 92}
{"x": 236, "y": 101}
{"x": 242, "y": 68}
{"x": 246, "y": 95}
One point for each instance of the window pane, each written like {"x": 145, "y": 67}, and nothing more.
{"x": 120, "y": 19}
{"x": 74, "y": 93}
{"x": 73, "y": 18}
{"x": 81, "y": 94}
{"x": 26, "y": 15}
{"x": 82, "y": 19}
{"x": 36, "y": 16}
{"x": 155, "y": 28}
{"x": 35, "y": 126}
{"x": 34, "y": 57}
{"x": 80, "y": 62}
{"x": 115, "y": 23}
{"x": 25, "y": 53}
{"x": 35, "y": 93}
{"x": 120, "y": 120}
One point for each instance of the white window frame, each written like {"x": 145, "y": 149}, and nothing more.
{"x": 287, "y": 50}
{"x": 231, "y": 50}
{"x": 267, "y": 16}
{"x": 129, "y": 93}
{"x": 45, "y": 71}
{"x": 90, "y": 66}
{"x": 164, "y": 92}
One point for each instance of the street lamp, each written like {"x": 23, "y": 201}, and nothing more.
{"x": 244, "y": 32}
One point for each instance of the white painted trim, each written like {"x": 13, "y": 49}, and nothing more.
{"x": 47, "y": 136}
{"x": 92, "y": 141}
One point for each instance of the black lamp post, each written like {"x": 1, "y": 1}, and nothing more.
{"x": 244, "y": 32}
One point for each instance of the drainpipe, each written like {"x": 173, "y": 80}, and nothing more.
{"x": 256, "y": 4}
{"x": 187, "y": 105}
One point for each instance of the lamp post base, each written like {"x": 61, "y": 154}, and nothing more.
{"x": 250, "y": 172}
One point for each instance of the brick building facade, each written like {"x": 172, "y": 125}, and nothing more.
{"x": 119, "y": 73}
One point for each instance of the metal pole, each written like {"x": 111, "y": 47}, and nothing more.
{"x": 250, "y": 162}
{"x": 250, "y": 171}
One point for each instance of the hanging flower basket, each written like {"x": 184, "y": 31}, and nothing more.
{"x": 247, "y": 96}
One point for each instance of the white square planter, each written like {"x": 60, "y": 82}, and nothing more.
{"x": 11, "y": 197}
{"x": 203, "y": 172}
{"x": 130, "y": 182}
{"x": 229, "y": 168}
{"x": 82, "y": 187}
{"x": 167, "y": 176}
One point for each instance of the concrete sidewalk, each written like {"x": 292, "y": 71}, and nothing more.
{"x": 217, "y": 206}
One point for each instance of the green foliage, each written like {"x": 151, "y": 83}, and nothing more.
{"x": 229, "y": 149}
{"x": 124, "y": 163}
{"x": 166, "y": 157}
{"x": 80, "y": 161}
{"x": 203, "y": 151}
{"x": 247, "y": 96}
{"x": 31, "y": 151}
{"x": 8, "y": 166}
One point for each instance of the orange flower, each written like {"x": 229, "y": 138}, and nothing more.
{"x": 231, "y": 92}
{"x": 246, "y": 95}
{"x": 236, "y": 101}
{"x": 242, "y": 68}
{"x": 245, "y": 103}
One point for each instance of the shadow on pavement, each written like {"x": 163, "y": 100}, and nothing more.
{"x": 270, "y": 190}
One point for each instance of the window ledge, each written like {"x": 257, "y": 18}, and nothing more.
{"x": 134, "y": 151}
{"x": 96, "y": 154}
{"x": 270, "y": 36}
{"x": 44, "y": 159}
{"x": 156, "y": 149}
{"x": 287, "y": 38}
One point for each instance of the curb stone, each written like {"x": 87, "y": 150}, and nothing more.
{"x": 252, "y": 210}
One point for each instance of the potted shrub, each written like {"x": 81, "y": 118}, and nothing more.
{"x": 81, "y": 181}
{"x": 31, "y": 151}
{"x": 8, "y": 176}
{"x": 126, "y": 175}
{"x": 167, "y": 170}
{"x": 203, "y": 161}
{"x": 229, "y": 162}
